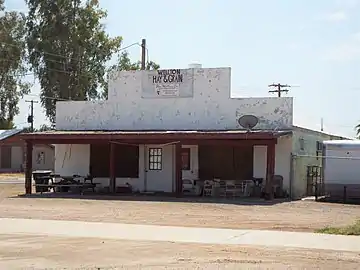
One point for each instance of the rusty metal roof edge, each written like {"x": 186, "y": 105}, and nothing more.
{"x": 7, "y": 133}
{"x": 113, "y": 135}
{"x": 133, "y": 132}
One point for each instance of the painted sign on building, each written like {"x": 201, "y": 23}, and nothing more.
{"x": 169, "y": 83}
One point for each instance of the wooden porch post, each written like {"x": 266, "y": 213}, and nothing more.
{"x": 178, "y": 170}
{"x": 28, "y": 167}
{"x": 270, "y": 170}
{"x": 112, "y": 183}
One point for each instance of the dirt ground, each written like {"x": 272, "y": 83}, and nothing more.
{"x": 47, "y": 252}
{"x": 39, "y": 252}
{"x": 290, "y": 216}
{"x": 10, "y": 176}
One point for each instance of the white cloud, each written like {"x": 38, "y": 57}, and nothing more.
{"x": 343, "y": 53}
{"x": 337, "y": 16}
{"x": 348, "y": 50}
{"x": 298, "y": 46}
{"x": 347, "y": 3}
{"x": 356, "y": 36}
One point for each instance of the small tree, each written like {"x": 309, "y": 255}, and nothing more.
{"x": 42, "y": 128}
{"x": 12, "y": 65}
{"x": 357, "y": 128}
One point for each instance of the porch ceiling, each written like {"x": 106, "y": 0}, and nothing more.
{"x": 59, "y": 136}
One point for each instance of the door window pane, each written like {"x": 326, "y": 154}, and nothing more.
{"x": 155, "y": 159}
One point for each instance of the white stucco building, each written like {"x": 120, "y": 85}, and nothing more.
{"x": 12, "y": 155}
{"x": 158, "y": 127}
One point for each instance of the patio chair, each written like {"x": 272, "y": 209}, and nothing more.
{"x": 230, "y": 188}
{"x": 208, "y": 187}
{"x": 247, "y": 187}
{"x": 187, "y": 186}
{"x": 222, "y": 188}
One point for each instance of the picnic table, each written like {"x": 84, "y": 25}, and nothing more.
{"x": 65, "y": 184}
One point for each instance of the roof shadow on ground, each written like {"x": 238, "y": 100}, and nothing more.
{"x": 155, "y": 198}
{"x": 353, "y": 201}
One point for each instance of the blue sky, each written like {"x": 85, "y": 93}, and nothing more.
{"x": 311, "y": 44}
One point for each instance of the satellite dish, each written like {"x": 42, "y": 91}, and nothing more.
{"x": 248, "y": 121}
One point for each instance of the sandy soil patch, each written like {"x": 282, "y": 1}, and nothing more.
{"x": 290, "y": 216}
{"x": 4, "y": 176}
{"x": 39, "y": 252}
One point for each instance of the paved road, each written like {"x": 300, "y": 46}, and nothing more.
{"x": 179, "y": 234}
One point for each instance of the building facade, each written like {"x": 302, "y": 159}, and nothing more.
{"x": 199, "y": 100}
{"x": 158, "y": 127}
{"x": 307, "y": 160}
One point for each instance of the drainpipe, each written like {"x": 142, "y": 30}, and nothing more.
{"x": 292, "y": 174}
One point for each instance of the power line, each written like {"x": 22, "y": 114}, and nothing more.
{"x": 47, "y": 97}
{"x": 67, "y": 57}
{"x": 144, "y": 51}
{"x": 50, "y": 69}
{"x": 70, "y": 58}
{"x": 20, "y": 124}
{"x": 47, "y": 60}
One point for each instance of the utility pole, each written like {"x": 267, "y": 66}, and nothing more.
{"x": 74, "y": 70}
{"x": 279, "y": 88}
{"x": 322, "y": 124}
{"x": 30, "y": 118}
{"x": 143, "y": 54}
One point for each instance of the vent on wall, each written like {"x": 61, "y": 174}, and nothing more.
{"x": 194, "y": 65}
{"x": 302, "y": 144}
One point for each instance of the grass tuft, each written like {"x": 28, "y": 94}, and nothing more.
{"x": 347, "y": 230}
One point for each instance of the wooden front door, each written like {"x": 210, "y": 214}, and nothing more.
{"x": 5, "y": 157}
{"x": 243, "y": 162}
{"x": 159, "y": 168}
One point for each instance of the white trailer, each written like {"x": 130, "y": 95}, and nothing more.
{"x": 341, "y": 168}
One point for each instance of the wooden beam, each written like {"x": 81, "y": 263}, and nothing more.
{"x": 178, "y": 169}
{"x": 28, "y": 167}
{"x": 150, "y": 135}
{"x": 238, "y": 142}
{"x": 112, "y": 184}
{"x": 270, "y": 171}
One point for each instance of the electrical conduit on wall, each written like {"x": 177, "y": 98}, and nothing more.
{"x": 65, "y": 154}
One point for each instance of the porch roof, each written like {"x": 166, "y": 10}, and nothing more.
{"x": 7, "y": 133}
{"x": 87, "y": 135}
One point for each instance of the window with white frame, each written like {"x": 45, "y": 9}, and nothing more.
{"x": 155, "y": 159}
{"x": 319, "y": 149}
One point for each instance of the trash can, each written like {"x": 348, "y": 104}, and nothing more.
{"x": 41, "y": 177}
